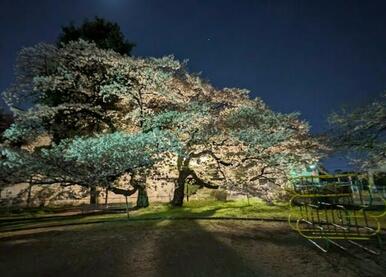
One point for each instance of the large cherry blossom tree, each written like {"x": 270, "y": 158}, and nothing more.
{"x": 83, "y": 95}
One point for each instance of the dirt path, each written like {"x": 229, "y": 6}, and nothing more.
{"x": 176, "y": 248}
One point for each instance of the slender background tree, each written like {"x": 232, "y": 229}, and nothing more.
{"x": 360, "y": 134}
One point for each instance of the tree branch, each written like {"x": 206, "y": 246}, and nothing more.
{"x": 201, "y": 182}
{"x": 125, "y": 192}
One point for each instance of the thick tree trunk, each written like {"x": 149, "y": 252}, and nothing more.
{"x": 178, "y": 197}
{"x": 142, "y": 199}
{"x": 93, "y": 195}
{"x": 179, "y": 191}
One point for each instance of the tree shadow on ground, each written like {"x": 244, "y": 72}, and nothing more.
{"x": 95, "y": 250}
{"x": 153, "y": 248}
{"x": 83, "y": 219}
{"x": 172, "y": 248}
{"x": 193, "y": 251}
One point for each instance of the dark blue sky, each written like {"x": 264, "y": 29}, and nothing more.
{"x": 308, "y": 56}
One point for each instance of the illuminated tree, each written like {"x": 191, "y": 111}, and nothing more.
{"x": 99, "y": 160}
{"x": 239, "y": 139}
{"x": 226, "y": 139}
{"x": 81, "y": 90}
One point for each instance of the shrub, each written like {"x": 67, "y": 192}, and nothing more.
{"x": 220, "y": 195}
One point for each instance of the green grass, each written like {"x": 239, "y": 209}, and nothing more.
{"x": 213, "y": 208}
{"x": 193, "y": 209}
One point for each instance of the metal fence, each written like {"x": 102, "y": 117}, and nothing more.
{"x": 335, "y": 210}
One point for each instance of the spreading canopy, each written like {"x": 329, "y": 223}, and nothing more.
{"x": 83, "y": 93}
{"x": 86, "y": 160}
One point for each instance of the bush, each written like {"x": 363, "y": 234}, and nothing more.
{"x": 220, "y": 195}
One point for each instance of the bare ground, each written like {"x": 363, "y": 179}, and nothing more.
{"x": 177, "y": 248}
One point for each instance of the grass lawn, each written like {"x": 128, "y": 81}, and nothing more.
{"x": 199, "y": 209}
{"x": 191, "y": 209}
{"x": 211, "y": 208}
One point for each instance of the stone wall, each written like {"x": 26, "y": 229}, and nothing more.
{"x": 22, "y": 195}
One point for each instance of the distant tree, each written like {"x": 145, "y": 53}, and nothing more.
{"x": 361, "y": 133}
{"x": 105, "y": 34}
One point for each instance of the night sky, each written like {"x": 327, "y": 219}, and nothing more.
{"x": 308, "y": 56}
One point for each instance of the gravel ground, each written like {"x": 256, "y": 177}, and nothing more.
{"x": 177, "y": 248}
